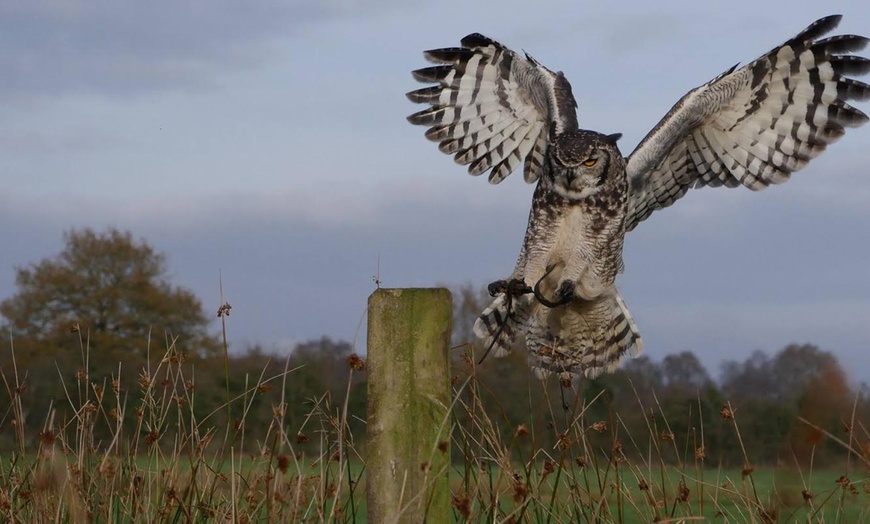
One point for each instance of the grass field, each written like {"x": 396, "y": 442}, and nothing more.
{"x": 169, "y": 466}
{"x": 309, "y": 493}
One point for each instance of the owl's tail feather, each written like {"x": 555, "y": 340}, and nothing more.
{"x": 500, "y": 323}
{"x": 586, "y": 338}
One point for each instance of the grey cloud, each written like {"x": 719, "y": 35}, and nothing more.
{"x": 128, "y": 47}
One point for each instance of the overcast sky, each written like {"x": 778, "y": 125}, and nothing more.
{"x": 268, "y": 141}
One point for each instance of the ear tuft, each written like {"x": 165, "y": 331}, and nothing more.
{"x": 613, "y": 138}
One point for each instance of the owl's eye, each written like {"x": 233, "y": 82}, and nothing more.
{"x": 590, "y": 162}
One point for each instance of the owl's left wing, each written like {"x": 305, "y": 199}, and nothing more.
{"x": 752, "y": 126}
{"x": 492, "y": 108}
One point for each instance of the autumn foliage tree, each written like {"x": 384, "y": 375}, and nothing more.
{"x": 95, "y": 313}
{"x": 113, "y": 290}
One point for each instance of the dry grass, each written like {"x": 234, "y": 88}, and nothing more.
{"x": 169, "y": 465}
{"x": 597, "y": 471}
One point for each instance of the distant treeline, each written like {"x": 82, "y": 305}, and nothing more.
{"x": 673, "y": 403}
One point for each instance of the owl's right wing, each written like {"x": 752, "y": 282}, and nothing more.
{"x": 752, "y": 126}
{"x": 492, "y": 108}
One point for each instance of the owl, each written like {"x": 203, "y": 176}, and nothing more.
{"x": 750, "y": 126}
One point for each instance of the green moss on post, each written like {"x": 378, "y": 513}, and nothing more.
{"x": 408, "y": 432}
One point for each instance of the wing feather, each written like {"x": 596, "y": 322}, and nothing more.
{"x": 755, "y": 125}
{"x": 492, "y": 108}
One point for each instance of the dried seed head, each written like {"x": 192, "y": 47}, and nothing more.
{"x": 521, "y": 431}
{"x": 843, "y": 481}
{"x": 683, "y": 490}
{"x": 769, "y": 515}
{"x": 151, "y": 438}
{"x": 726, "y": 413}
{"x": 107, "y": 468}
{"x": 462, "y": 505}
{"x": 442, "y": 446}
{"x": 549, "y": 467}
{"x": 565, "y": 440}
{"x": 283, "y": 463}
{"x": 356, "y": 363}
{"x": 600, "y": 426}
{"x": 224, "y": 310}
{"x": 301, "y": 438}
{"x": 521, "y": 491}
{"x": 667, "y": 436}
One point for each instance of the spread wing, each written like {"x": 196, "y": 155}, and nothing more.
{"x": 491, "y": 108}
{"x": 755, "y": 125}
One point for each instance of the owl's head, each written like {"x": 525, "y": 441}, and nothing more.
{"x": 582, "y": 162}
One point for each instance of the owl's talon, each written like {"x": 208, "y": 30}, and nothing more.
{"x": 497, "y": 288}
{"x": 565, "y": 294}
{"x": 514, "y": 287}
{"x": 518, "y": 287}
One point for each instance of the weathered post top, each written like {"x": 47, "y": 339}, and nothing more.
{"x": 409, "y": 392}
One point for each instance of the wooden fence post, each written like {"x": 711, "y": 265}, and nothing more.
{"x": 409, "y": 394}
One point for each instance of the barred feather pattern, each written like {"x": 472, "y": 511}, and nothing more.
{"x": 585, "y": 338}
{"x": 500, "y": 324}
{"x": 491, "y": 108}
{"x": 755, "y": 125}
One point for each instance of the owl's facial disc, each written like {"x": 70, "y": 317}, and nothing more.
{"x": 583, "y": 172}
{"x": 581, "y": 162}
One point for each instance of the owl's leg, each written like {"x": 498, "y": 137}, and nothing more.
{"x": 564, "y": 295}
{"x": 576, "y": 269}
{"x": 585, "y": 284}
{"x": 511, "y": 289}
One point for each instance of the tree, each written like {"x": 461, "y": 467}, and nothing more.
{"x": 112, "y": 290}
{"x": 684, "y": 371}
